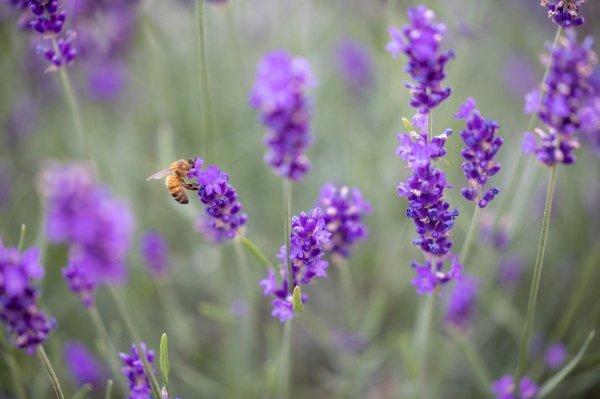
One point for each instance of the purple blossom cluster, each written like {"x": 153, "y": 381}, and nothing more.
{"x": 83, "y": 365}
{"x": 556, "y": 355}
{"x": 506, "y": 388}
{"x": 420, "y": 42}
{"x": 462, "y": 304}
{"x": 343, "y": 210}
{"x": 481, "y": 146}
{"x": 279, "y": 93}
{"x": 224, "y": 215}
{"x": 564, "y": 13}
{"x": 97, "y": 227}
{"x": 559, "y": 103}
{"x": 155, "y": 252}
{"x": 47, "y": 18}
{"x": 427, "y": 205}
{"x": 355, "y": 67}
{"x": 307, "y": 238}
{"x": 26, "y": 324}
{"x": 133, "y": 370}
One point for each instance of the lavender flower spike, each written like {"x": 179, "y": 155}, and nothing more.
{"x": 343, "y": 210}
{"x": 481, "y": 146}
{"x": 224, "y": 216}
{"x": 83, "y": 365}
{"x": 506, "y": 388}
{"x": 26, "y": 324}
{"x": 564, "y": 13}
{"x": 567, "y": 90}
{"x": 133, "y": 370}
{"x": 155, "y": 253}
{"x": 307, "y": 239}
{"x": 462, "y": 304}
{"x": 420, "y": 42}
{"x": 279, "y": 94}
{"x": 427, "y": 206}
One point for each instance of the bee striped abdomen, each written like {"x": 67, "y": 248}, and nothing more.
{"x": 176, "y": 189}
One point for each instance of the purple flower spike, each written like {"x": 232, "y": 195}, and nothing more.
{"x": 506, "y": 388}
{"x": 307, "y": 240}
{"x": 26, "y": 324}
{"x": 355, "y": 67}
{"x": 564, "y": 13}
{"x": 279, "y": 94}
{"x": 462, "y": 303}
{"x": 83, "y": 365}
{"x": 420, "y": 42}
{"x": 80, "y": 283}
{"x": 566, "y": 93}
{"x": 133, "y": 370}
{"x": 343, "y": 210}
{"x": 155, "y": 253}
{"x": 481, "y": 146}
{"x": 555, "y": 355}
{"x": 66, "y": 52}
{"x": 224, "y": 216}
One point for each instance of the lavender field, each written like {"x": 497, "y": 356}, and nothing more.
{"x": 280, "y": 199}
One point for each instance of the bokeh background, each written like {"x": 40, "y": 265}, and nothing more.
{"x": 140, "y": 100}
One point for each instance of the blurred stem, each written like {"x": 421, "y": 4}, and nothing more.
{"x": 15, "y": 372}
{"x": 285, "y": 358}
{"x": 73, "y": 105}
{"x": 135, "y": 336}
{"x": 108, "y": 392}
{"x": 421, "y": 340}
{"x": 208, "y": 139}
{"x": 535, "y": 284}
{"x": 48, "y": 366}
{"x": 477, "y": 365}
{"x": 22, "y": 238}
{"x": 466, "y": 247}
{"x": 585, "y": 277}
{"x": 250, "y": 246}
{"x": 109, "y": 351}
{"x": 512, "y": 185}
{"x": 287, "y": 206}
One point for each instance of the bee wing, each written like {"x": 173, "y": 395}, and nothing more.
{"x": 160, "y": 175}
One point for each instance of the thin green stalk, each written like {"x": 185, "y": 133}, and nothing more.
{"x": 135, "y": 336}
{"x": 585, "y": 277}
{"x": 48, "y": 366}
{"x": 108, "y": 392}
{"x": 73, "y": 106}
{"x": 15, "y": 373}
{"x": 208, "y": 139}
{"x": 257, "y": 253}
{"x": 22, "y": 238}
{"x": 287, "y": 206}
{"x": 466, "y": 247}
{"x": 477, "y": 365}
{"x": 535, "y": 284}
{"x": 421, "y": 340}
{"x": 285, "y": 356}
{"x": 512, "y": 186}
{"x": 109, "y": 351}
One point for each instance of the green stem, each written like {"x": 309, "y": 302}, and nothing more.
{"x": 73, "y": 105}
{"x": 421, "y": 340}
{"x": 205, "y": 89}
{"x": 512, "y": 187}
{"x": 287, "y": 205}
{"x": 285, "y": 368}
{"x": 477, "y": 365}
{"x": 135, "y": 336}
{"x": 48, "y": 366}
{"x": 585, "y": 277}
{"x": 464, "y": 253}
{"x": 250, "y": 246}
{"x": 22, "y": 238}
{"x": 535, "y": 284}
{"x": 109, "y": 351}
{"x": 15, "y": 372}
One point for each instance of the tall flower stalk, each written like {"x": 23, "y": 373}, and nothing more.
{"x": 208, "y": 131}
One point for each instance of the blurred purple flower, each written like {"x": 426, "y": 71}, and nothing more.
{"x": 481, "y": 146}
{"x": 505, "y": 388}
{"x": 355, "y": 67}
{"x": 83, "y": 365}
{"x": 348, "y": 341}
{"x": 79, "y": 282}
{"x": 106, "y": 81}
{"x": 519, "y": 75}
{"x": 155, "y": 253}
{"x": 343, "y": 210}
{"x": 133, "y": 370}
{"x": 462, "y": 303}
{"x": 26, "y": 324}
{"x": 279, "y": 94}
{"x": 420, "y": 42}
{"x": 510, "y": 271}
{"x": 21, "y": 120}
{"x": 555, "y": 355}
{"x": 564, "y": 13}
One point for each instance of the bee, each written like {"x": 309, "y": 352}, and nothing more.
{"x": 175, "y": 179}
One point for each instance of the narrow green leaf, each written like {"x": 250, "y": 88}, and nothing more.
{"x": 164, "y": 358}
{"x": 83, "y": 391}
{"x": 408, "y": 125}
{"x": 22, "y": 238}
{"x": 108, "y": 392}
{"x": 262, "y": 259}
{"x": 297, "y": 300}
{"x": 557, "y": 378}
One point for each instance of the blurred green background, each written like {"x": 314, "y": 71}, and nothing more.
{"x": 357, "y": 348}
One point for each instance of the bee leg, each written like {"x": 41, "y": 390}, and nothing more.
{"x": 190, "y": 186}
